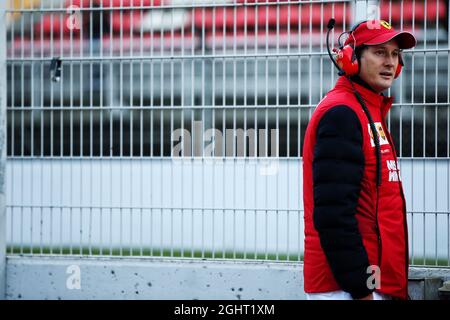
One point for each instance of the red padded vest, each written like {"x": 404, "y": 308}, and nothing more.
{"x": 383, "y": 231}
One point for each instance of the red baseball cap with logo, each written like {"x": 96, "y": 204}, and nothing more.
{"x": 374, "y": 32}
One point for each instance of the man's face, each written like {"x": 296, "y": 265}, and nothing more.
{"x": 378, "y": 65}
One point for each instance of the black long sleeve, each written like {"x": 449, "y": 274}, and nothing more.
{"x": 338, "y": 168}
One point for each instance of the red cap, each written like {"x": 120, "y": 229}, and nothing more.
{"x": 373, "y": 32}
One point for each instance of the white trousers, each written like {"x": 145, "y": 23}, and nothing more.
{"x": 342, "y": 295}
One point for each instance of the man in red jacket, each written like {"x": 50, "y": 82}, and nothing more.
{"x": 356, "y": 243}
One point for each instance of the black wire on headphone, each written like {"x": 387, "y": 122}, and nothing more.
{"x": 341, "y": 72}
{"x": 374, "y": 133}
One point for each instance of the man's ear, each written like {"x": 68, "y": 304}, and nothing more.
{"x": 360, "y": 52}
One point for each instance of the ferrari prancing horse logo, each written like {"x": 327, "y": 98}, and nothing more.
{"x": 381, "y": 134}
{"x": 385, "y": 24}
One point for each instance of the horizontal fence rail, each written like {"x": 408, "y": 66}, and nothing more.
{"x": 175, "y": 128}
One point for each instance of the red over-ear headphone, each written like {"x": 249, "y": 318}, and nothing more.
{"x": 346, "y": 58}
{"x": 399, "y": 66}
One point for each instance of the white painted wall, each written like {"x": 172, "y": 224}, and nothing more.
{"x": 118, "y": 202}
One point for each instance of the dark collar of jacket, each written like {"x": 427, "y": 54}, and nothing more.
{"x": 368, "y": 95}
{"x": 357, "y": 79}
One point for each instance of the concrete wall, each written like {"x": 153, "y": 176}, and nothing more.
{"x": 150, "y": 278}
{"x": 155, "y": 278}
{"x": 2, "y": 148}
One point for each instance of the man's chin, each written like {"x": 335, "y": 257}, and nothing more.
{"x": 383, "y": 85}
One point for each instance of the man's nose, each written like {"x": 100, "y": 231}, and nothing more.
{"x": 390, "y": 60}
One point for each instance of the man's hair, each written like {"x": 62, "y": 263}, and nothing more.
{"x": 359, "y": 51}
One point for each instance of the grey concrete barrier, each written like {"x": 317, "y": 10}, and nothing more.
{"x": 70, "y": 277}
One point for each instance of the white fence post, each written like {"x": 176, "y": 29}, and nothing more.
{"x": 3, "y": 146}
{"x": 365, "y": 10}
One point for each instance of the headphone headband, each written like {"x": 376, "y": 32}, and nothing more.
{"x": 350, "y": 32}
{"x": 357, "y": 25}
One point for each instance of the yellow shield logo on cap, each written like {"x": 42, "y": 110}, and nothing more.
{"x": 385, "y": 24}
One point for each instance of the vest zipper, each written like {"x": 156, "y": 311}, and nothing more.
{"x": 405, "y": 226}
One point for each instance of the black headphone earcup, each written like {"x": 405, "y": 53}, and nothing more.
{"x": 355, "y": 58}
{"x": 399, "y": 66}
{"x": 400, "y": 60}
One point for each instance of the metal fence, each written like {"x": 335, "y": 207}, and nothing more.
{"x": 175, "y": 128}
